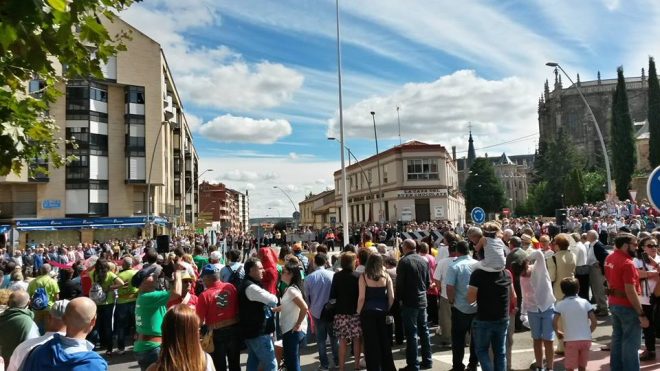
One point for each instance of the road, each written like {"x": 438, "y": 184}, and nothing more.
{"x": 523, "y": 354}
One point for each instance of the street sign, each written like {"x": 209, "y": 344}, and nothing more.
{"x": 506, "y": 211}
{"x": 51, "y": 204}
{"x": 653, "y": 188}
{"x": 296, "y": 215}
{"x": 479, "y": 215}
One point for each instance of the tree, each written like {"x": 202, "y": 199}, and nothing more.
{"x": 653, "y": 115}
{"x": 622, "y": 140}
{"x": 595, "y": 186}
{"x": 574, "y": 188}
{"x": 482, "y": 188}
{"x": 35, "y": 38}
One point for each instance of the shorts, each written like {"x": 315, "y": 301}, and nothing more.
{"x": 347, "y": 326}
{"x": 576, "y": 353}
{"x": 541, "y": 324}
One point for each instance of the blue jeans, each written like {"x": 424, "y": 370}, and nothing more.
{"x": 323, "y": 330}
{"x": 626, "y": 339}
{"x": 291, "y": 342}
{"x": 261, "y": 353}
{"x": 416, "y": 329}
{"x": 489, "y": 334}
{"x": 146, "y": 359}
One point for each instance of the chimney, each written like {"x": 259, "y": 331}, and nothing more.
{"x": 453, "y": 152}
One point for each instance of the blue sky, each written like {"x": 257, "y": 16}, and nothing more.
{"x": 259, "y": 77}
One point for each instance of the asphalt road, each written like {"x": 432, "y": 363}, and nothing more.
{"x": 523, "y": 354}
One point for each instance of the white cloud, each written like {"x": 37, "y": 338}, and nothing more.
{"x": 245, "y": 176}
{"x": 229, "y": 128}
{"x": 194, "y": 122}
{"x": 293, "y": 155}
{"x": 439, "y": 111}
{"x": 211, "y": 77}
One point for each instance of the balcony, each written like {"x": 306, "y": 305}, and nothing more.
{"x": 10, "y": 210}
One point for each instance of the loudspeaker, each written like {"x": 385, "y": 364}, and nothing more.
{"x": 560, "y": 217}
{"x": 163, "y": 244}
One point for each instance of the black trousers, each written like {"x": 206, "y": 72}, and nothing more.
{"x": 649, "y": 332}
{"x": 461, "y": 325}
{"x": 583, "y": 279}
{"x": 377, "y": 345}
{"x": 227, "y": 349}
{"x": 397, "y": 328}
{"x": 432, "y": 308}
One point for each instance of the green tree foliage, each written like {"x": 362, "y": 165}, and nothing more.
{"x": 482, "y": 188}
{"x": 622, "y": 140}
{"x": 37, "y": 36}
{"x": 540, "y": 159}
{"x": 653, "y": 115}
{"x": 574, "y": 188}
{"x": 595, "y": 186}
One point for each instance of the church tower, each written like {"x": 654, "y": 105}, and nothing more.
{"x": 471, "y": 153}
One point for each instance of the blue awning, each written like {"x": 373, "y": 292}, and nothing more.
{"x": 79, "y": 223}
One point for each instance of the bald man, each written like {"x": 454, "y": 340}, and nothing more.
{"x": 17, "y": 323}
{"x": 73, "y": 351}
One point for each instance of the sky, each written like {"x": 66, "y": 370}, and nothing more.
{"x": 258, "y": 78}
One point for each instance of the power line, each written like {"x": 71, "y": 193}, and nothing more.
{"x": 521, "y": 139}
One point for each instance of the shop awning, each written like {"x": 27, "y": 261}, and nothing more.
{"x": 89, "y": 223}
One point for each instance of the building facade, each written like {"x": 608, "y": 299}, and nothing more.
{"x": 419, "y": 183}
{"x": 223, "y": 207}
{"x": 132, "y": 142}
{"x": 562, "y": 108}
{"x": 319, "y": 210}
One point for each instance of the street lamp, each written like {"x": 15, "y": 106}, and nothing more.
{"x": 196, "y": 180}
{"x": 600, "y": 135}
{"x": 364, "y": 175}
{"x": 380, "y": 180}
{"x": 287, "y": 196}
{"x": 151, "y": 166}
{"x": 344, "y": 190}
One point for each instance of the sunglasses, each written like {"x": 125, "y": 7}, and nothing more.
{"x": 651, "y": 245}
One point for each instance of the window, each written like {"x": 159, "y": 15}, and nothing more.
{"x": 98, "y": 94}
{"x": 423, "y": 169}
{"x": 135, "y": 94}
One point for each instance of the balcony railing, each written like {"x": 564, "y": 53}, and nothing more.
{"x": 18, "y": 210}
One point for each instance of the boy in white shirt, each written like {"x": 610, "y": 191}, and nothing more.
{"x": 579, "y": 322}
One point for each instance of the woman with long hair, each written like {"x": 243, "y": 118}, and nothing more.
{"x": 104, "y": 277}
{"x": 376, "y": 296}
{"x": 648, "y": 265}
{"x": 345, "y": 292}
{"x": 181, "y": 349}
{"x": 293, "y": 315}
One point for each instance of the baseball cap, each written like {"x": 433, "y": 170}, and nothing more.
{"x": 215, "y": 255}
{"x": 185, "y": 276}
{"x": 209, "y": 269}
{"x": 151, "y": 269}
{"x": 58, "y": 308}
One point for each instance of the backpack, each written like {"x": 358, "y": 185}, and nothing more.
{"x": 97, "y": 294}
{"x": 39, "y": 299}
{"x": 235, "y": 277}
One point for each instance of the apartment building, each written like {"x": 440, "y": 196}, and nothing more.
{"x": 224, "y": 206}
{"x": 419, "y": 182}
{"x": 133, "y": 150}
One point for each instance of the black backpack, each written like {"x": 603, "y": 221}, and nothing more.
{"x": 235, "y": 277}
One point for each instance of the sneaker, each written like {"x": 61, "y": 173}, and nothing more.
{"x": 647, "y": 356}
{"x": 426, "y": 367}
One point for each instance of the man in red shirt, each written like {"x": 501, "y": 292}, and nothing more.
{"x": 189, "y": 298}
{"x": 217, "y": 307}
{"x": 623, "y": 292}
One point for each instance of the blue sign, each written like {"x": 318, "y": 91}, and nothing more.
{"x": 51, "y": 204}
{"x": 479, "y": 215}
{"x": 653, "y": 188}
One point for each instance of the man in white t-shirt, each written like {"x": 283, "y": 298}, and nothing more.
{"x": 444, "y": 308}
{"x": 648, "y": 276}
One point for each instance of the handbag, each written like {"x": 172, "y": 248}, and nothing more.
{"x": 207, "y": 342}
{"x": 328, "y": 312}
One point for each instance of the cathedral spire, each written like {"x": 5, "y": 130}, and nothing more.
{"x": 471, "y": 153}
{"x": 546, "y": 90}
{"x": 578, "y": 79}
{"x": 599, "y": 77}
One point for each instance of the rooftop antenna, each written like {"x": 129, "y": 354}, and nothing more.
{"x": 399, "y": 120}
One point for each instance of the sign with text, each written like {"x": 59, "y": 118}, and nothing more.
{"x": 422, "y": 193}
{"x": 406, "y": 214}
{"x": 51, "y": 204}
{"x": 439, "y": 212}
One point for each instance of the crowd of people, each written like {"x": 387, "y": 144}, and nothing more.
{"x": 197, "y": 308}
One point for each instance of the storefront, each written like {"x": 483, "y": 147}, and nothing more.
{"x": 74, "y": 230}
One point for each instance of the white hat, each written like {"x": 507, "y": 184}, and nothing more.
{"x": 215, "y": 255}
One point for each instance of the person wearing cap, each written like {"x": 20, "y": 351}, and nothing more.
{"x": 526, "y": 243}
{"x": 150, "y": 309}
{"x": 54, "y": 325}
{"x": 125, "y": 309}
{"x": 189, "y": 298}
{"x": 217, "y": 307}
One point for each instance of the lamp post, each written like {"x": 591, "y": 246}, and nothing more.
{"x": 151, "y": 166}
{"x": 600, "y": 135}
{"x": 380, "y": 180}
{"x": 197, "y": 179}
{"x": 364, "y": 175}
{"x": 289, "y": 197}
{"x": 344, "y": 194}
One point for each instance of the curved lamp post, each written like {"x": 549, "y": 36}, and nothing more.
{"x": 600, "y": 135}
{"x": 364, "y": 175}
